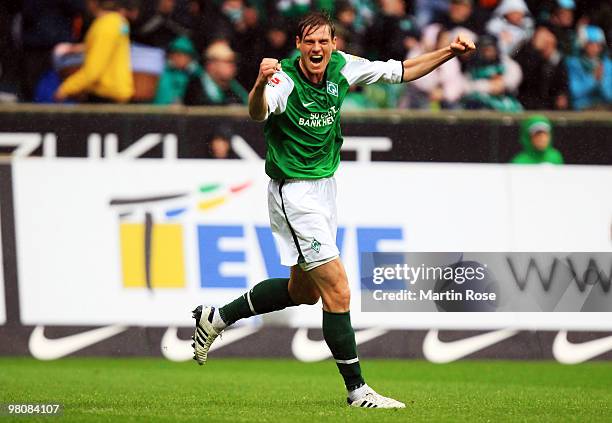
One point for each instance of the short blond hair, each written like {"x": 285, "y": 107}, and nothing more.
{"x": 219, "y": 50}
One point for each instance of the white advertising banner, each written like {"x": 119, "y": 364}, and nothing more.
{"x": 142, "y": 242}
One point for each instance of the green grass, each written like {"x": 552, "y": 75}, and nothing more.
{"x": 150, "y": 390}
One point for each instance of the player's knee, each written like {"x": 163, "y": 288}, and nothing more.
{"x": 305, "y": 299}
{"x": 309, "y": 299}
{"x": 301, "y": 294}
{"x": 345, "y": 300}
{"x": 340, "y": 296}
{"x": 312, "y": 298}
{"x": 342, "y": 287}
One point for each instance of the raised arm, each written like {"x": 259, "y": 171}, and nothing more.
{"x": 421, "y": 65}
{"x": 258, "y": 106}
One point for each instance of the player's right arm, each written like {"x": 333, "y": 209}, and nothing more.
{"x": 258, "y": 105}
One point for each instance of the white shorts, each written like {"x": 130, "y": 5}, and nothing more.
{"x": 304, "y": 221}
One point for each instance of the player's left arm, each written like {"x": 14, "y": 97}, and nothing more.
{"x": 421, "y": 65}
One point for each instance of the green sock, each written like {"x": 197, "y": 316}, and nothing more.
{"x": 340, "y": 339}
{"x": 265, "y": 297}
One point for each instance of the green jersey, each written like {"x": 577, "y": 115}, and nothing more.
{"x": 302, "y": 131}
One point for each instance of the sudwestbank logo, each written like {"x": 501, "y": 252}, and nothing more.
{"x": 152, "y": 234}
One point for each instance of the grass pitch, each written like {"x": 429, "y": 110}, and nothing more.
{"x": 152, "y": 390}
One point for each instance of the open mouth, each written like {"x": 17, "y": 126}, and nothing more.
{"x": 316, "y": 59}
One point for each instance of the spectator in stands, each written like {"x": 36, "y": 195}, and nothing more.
{"x": 239, "y": 16}
{"x": 442, "y": 88}
{"x": 220, "y": 144}
{"x": 512, "y": 25}
{"x": 459, "y": 20}
{"x": 342, "y": 39}
{"x": 292, "y": 10}
{"x": 278, "y": 42}
{"x": 486, "y": 8}
{"x": 346, "y": 20}
{"x": 238, "y": 23}
{"x": 536, "y": 140}
{"x": 357, "y": 100}
{"x": 544, "y": 85}
{"x": 181, "y": 67}
{"x": 492, "y": 79}
{"x": 562, "y": 25}
{"x": 426, "y": 11}
{"x": 217, "y": 85}
{"x": 106, "y": 74}
{"x": 209, "y": 24}
{"x": 598, "y": 13}
{"x": 461, "y": 16}
{"x": 590, "y": 73}
{"x": 393, "y": 32}
{"x": 161, "y": 21}
{"x": 9, "y": 55}
{"x": 247, "y": 37}
{"x": 131, "y": 10}
{"x": 45, "y": 23}
{"x": 365, "y": 12}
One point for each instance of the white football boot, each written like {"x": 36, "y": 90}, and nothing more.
{"x": 370, "y": 399}
{"x": 204, "y": 333}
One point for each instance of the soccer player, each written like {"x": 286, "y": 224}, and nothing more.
{"x": 300, "y": 100}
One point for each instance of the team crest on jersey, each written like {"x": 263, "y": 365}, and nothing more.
{"x": 332, "y": 88}
{"x": 315, "y": 245}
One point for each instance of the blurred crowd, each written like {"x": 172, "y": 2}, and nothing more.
{"x": 550, "y": 54}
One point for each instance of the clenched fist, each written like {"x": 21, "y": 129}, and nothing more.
{"x": 267, "y": 68}
{"x": 462, "y": 45}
